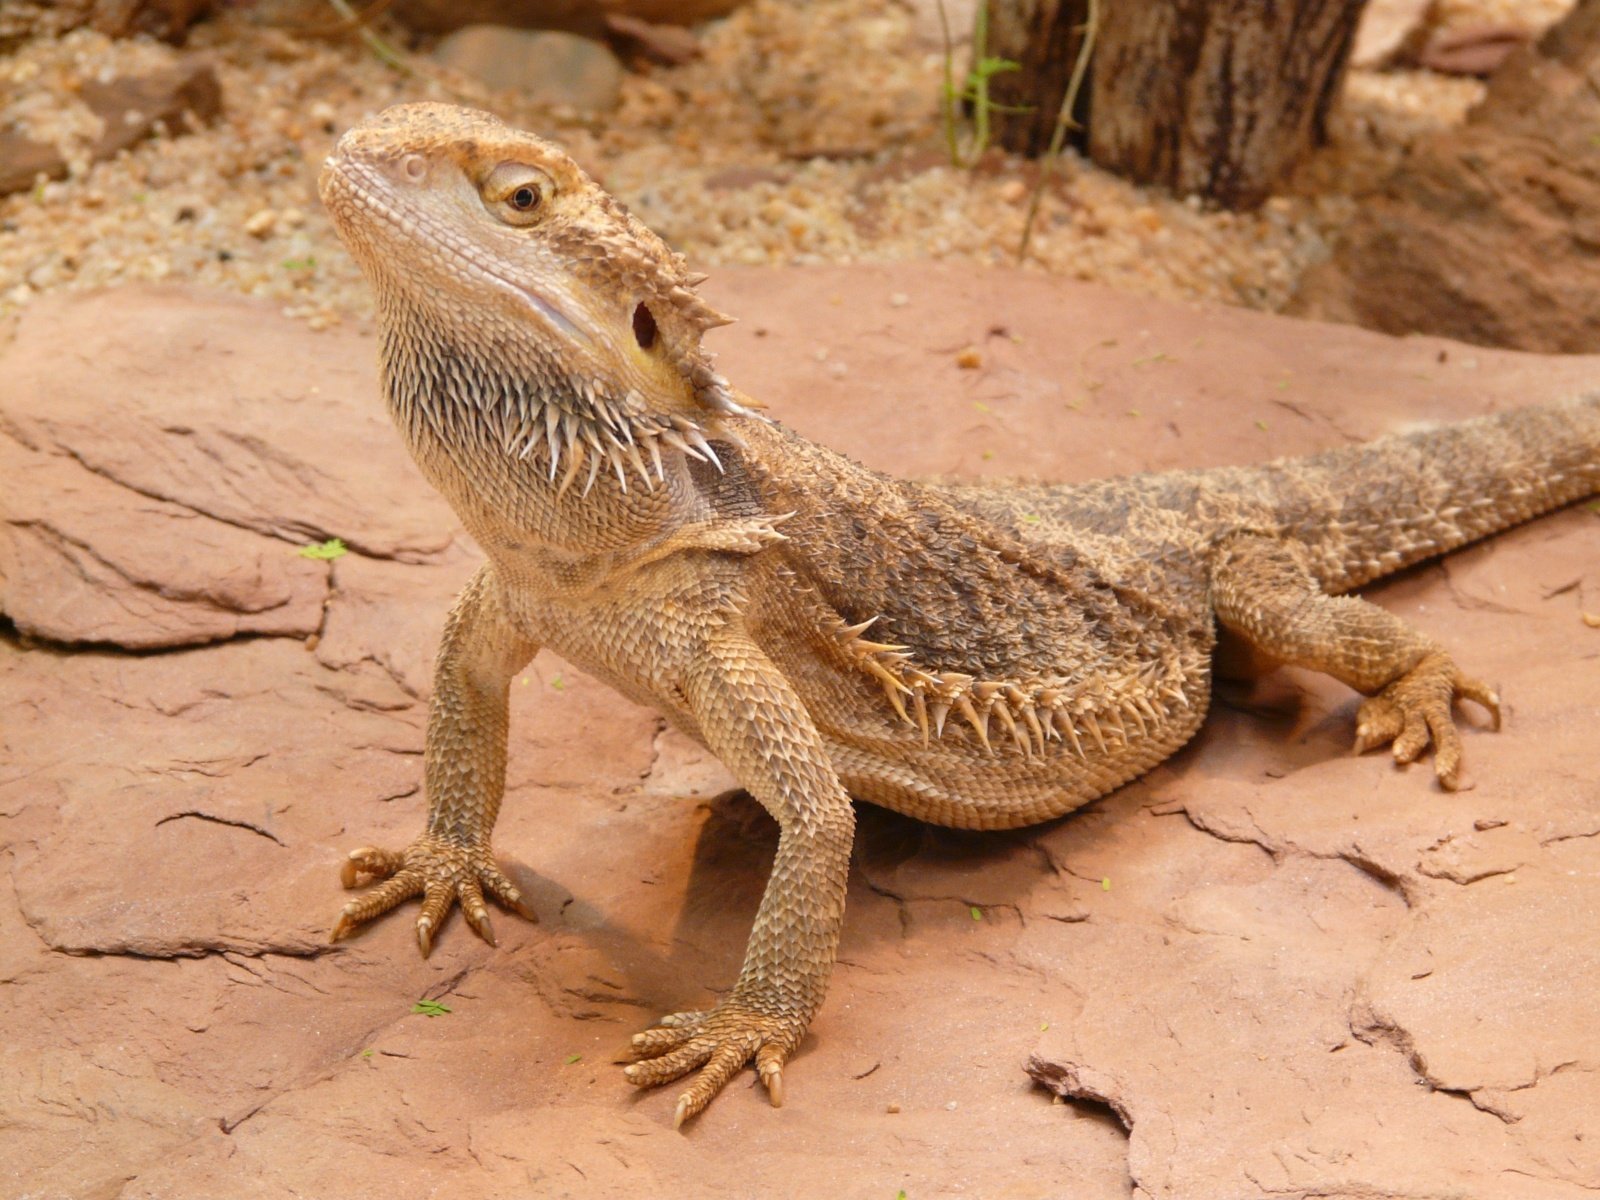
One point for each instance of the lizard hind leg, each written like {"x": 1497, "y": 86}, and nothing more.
{"x": 1263, "y": 590}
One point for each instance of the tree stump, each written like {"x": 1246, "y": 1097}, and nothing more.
{"x": 1216, "y": 98}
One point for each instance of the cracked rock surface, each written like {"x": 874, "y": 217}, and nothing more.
{"x": 1267, "y": 969}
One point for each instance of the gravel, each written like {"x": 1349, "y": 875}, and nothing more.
{"x": 805, "y": 133}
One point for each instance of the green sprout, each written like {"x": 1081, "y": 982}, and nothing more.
{"x": 430, "y": 1008}
{"x": 973, "y": 90}
{"x": 330, "y": 549}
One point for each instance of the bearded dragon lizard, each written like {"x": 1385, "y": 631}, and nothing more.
{"x": 982, "y": 657}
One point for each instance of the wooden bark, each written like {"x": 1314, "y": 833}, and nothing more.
{"x": 1219, "y": 98}
{"x": 1044, "y": 37}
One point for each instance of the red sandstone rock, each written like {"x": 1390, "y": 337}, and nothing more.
{"x": 1291, "y": 972}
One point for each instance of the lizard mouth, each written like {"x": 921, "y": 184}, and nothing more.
{"x": 366, "y": 189}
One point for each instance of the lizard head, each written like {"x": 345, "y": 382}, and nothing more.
{"x": 523, "y": 283}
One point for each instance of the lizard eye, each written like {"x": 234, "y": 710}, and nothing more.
{"x": 516, "y": 193}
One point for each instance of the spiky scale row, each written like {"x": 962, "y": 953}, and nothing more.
{"x": 1031, "y": 713}
{"x": 605, "y": 434}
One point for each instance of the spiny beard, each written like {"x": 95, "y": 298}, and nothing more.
{"x": 533, "y": 408}
{"x": 583, "y": 427}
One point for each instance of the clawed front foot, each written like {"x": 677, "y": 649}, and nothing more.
{"x": 1415, "y": 709}
{"x": 438, "y": 870}
{"x": 719, "y": 1043}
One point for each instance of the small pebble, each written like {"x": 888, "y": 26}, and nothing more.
{"x": 969, "y": 359}
{"x": 260, "y": 223}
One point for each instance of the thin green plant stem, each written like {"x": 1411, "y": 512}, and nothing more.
{"x": 980, "y": 82}
{"x": 1064, "y": 121}
{"x": 376, "y": 44}
{"x": 974, "y": 89}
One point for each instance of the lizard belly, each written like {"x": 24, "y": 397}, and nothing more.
{"x": 941, "y": 746}
{"x": 955, "y": 781}
{"x": 943, "y": 741}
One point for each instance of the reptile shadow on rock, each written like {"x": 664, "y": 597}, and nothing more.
{"x": 896, "y": 858}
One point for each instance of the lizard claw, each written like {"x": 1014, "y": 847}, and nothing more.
{"x": 441, "y": 872}
{"x": 1414, "y": 711}
{"x": 769, "y": 1065}
{"x": 717, "y": 1044}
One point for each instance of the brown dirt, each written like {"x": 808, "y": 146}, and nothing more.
{"x": 805, "y": 133}
{"x": 1288, "y": 972}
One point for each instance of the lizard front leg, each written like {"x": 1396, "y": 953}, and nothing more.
{"x": 464, "y": 771}
{"x": 751, "y": 717}
{"x": 1263, "y": 590}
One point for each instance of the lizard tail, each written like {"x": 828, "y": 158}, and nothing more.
{"x": 1367, "y": 511}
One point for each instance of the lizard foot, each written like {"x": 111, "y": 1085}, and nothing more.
{"x": 1415, "y": 709}
{"x": 718, "y": 1043}
{"x": 438, "y": 870}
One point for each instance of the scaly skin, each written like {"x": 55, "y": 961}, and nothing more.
{"x": 980, "y": 657}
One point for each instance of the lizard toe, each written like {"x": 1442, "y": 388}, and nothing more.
{"x": 369, "y": 860}
{"x": 1377, "y": 724}
{"x": 391, "y": 892}
{"x": 722, "y": 1066}
{"x": 769, "y": 1065}
{"x": 669, "y": 1065}
{"x": 657, "y": 1041}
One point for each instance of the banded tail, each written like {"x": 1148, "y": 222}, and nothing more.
{"x": 1369, "y": 510}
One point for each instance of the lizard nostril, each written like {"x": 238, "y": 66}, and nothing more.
{"x": 644, "y": 327}
{"x": 415, "y": 167}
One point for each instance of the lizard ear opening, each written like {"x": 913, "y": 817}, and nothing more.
{"x": 644, "y": 327}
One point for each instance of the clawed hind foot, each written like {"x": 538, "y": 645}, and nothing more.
{"x": 1415, "y": 710}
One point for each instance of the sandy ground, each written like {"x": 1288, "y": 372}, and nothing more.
{"x": 804, "y": 134}
{"x": 1267, "y": 969}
